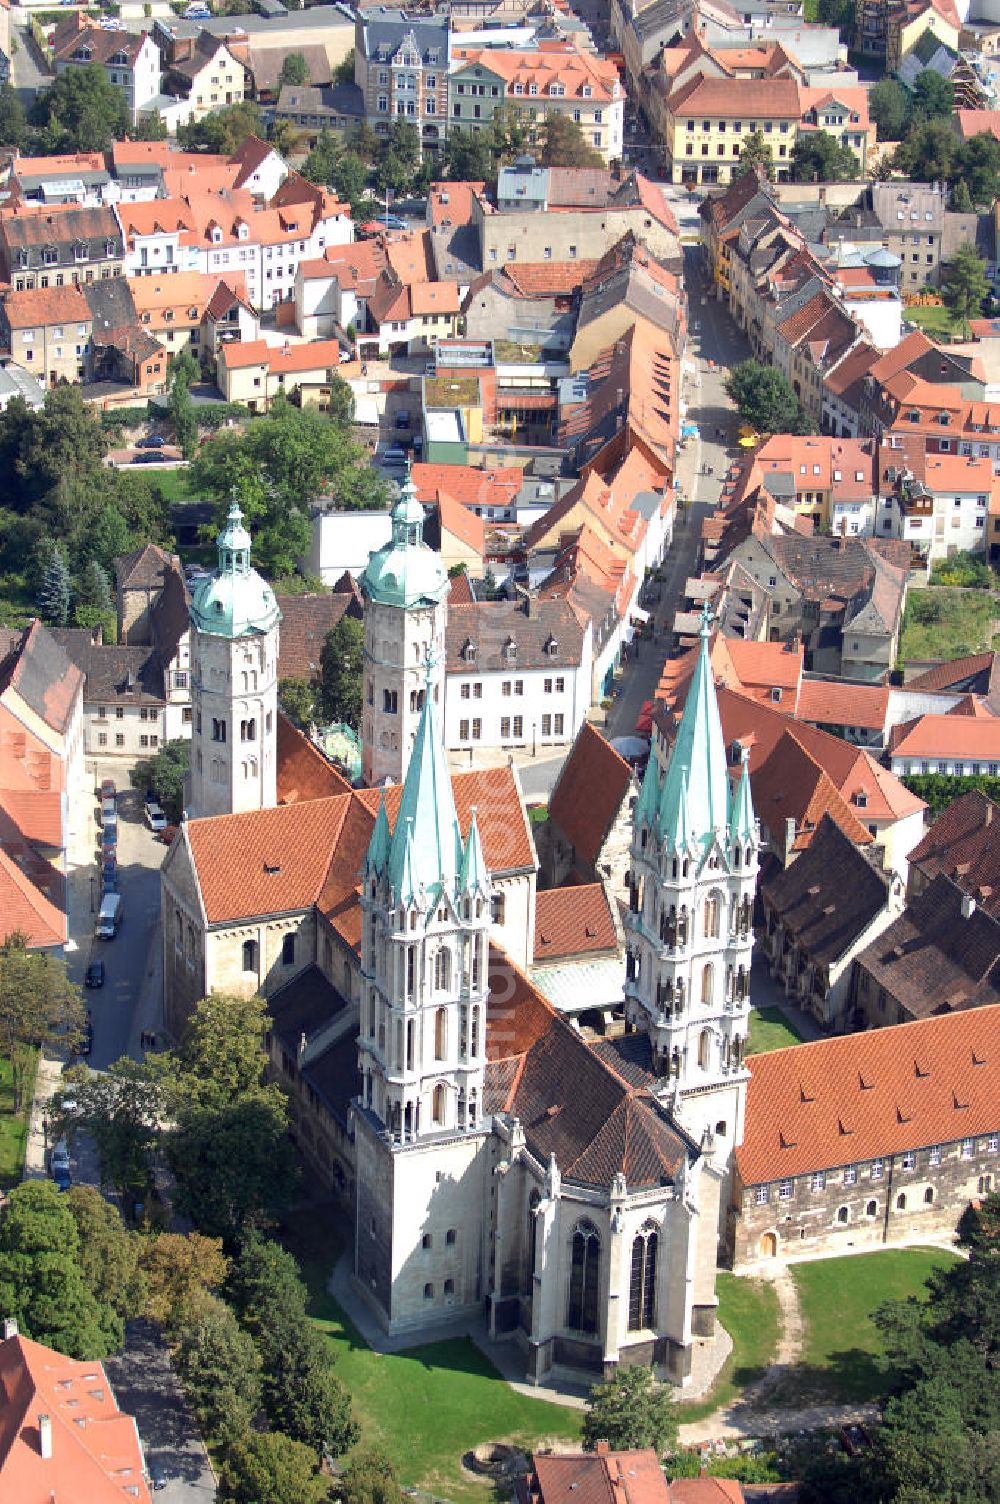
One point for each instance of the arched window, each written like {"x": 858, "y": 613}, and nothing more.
{"x": 475, "y": 1033}
{"x": 929, "y": 1196}
{"x": 642, "y": 1285}
{"x": 440, "y": 1034}
{"x": 705, "y": 1048}
{"x": 442, "y": 970}
{"x": 437, "y": 1106}
{"x": 534, "y": 1201}
{"x": 901, "y": 1202}
{"x": 712, "y": 916}
{"x": 249, "y": 955}
{"x": 707, "y": 984}
{"x": 584, "y": 1279}
{"x": 473, "y": 1103}
{"x": 871, "y": 1210}
{"x": 842, "y": 1214}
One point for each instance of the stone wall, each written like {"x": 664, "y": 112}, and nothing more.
{"x": 918, "y": 1196}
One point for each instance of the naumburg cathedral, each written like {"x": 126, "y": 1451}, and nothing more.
{"x": 572, "y": 1190}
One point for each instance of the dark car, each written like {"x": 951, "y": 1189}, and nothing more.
{"x": 62, "y": 1178}
{"x": 157, "y": 1475}
{"x": 145, "y": 459}
{"x": 86, "y": 1037}
{"x": 151, "y": 441}
{"x": 109, "y": 847}
{"x": 167, "y": 834}
{"x": 95, "y": 974}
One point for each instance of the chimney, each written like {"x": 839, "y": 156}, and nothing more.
{"x": 9, "y": 1327}
{"x": 789, "y": 834}
{"x": 44, "y": 1437}
{"x": 602, "y": 1448}
{"x": 968, "y": 906}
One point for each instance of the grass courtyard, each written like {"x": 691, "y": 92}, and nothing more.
{"x": 935, "y": 320}
{"x": 770, "y": 1030}
{"x": 842, "y": 1345}
{"x": 942, "y": 623}
{"x": 13, "y": 1130}
{"x": 748, "y": 1309}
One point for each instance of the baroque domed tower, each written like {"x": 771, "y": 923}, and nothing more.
{"x": 405, "y": 587}
{"x": 234, "y": 682}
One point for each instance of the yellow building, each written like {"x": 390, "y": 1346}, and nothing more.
{"x": 209, "y": 76}
{"x": 906, "y": 24}
{"x": 48, "y": 330}
{"x": 256, "y": 372}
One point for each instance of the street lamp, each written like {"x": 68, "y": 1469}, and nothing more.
{"x": 45, "y": 1131}
{"x": 533, "y": 740}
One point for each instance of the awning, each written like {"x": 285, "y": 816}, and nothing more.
{"x": 527, "y": 401}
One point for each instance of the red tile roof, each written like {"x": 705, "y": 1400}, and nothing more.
{"x": 964, "y": 844}
{"x": 96, "y": 1453}
{"x": 589, "y": 792}
{"x": 948, "y": 736}
{"x": 27, "y": 909}
{"x": 632, "y": 1477}
{"x": 572, "y": 922}
{"x": 834, "y": 703}
{"x": 46, "y": 305}
{"x": 303, "y": 772}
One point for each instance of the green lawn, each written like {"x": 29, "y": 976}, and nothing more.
{"x": 430, "y": 1404}
{"x": 13, "y": 1131}
{"x": 748, "y": 1309}
{"x": 770, "y": 1030}
{"x": 943, "y": 623}
{"x": 933, "y": 320}
{"x": 175, "y": 484}
{"x": 842, "y": 1345}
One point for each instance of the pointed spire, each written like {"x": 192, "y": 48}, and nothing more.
{"x": 742, "y": 824}
{"x": 473, "y": 877}
{"x": 407, "y": 886}
{"x": 427, "y": 824}
{"x": 696, "y": 774}
{"x": 649, "y": 794}
{"x": 378, "y": 848}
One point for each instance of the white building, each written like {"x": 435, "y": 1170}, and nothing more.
{"x": 943, "y": 509}
{"x": 234, "y": 682}
{"x": 345, "y": 540}
{"x": 131, "y": 62}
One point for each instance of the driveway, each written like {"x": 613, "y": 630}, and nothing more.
{"x": 145, "y": 1386}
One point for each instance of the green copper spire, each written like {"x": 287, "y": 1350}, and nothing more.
{"x": 378, "y": 849}
{"x": 742, "y": 825}
{"x": 407, "y": 884}
{"x": 234, "y": 601}
{"x": 473, "y": 877}
{"x": 649, "y": 794}
{"x": 427, "y": 812}
{"x": 696, "y": 778}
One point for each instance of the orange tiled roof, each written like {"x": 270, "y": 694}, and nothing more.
{"x": 451, "y": 203}
{"x": 589, "y": 791}
{"x": 303, "y": 772}
{"x": 96, "y": 1453}
{"x": 573, "y": 922}
{"x": 46, "y": 305}
{"x": 948, "y": 736}
{"x": 833, "y": 703}
{"x": 859, "y": 1097}
{"x": 556, "y": 65}
{"x": 468, "y": 484}
{"x": 631, "y": 1477}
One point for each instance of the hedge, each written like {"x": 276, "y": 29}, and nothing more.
{"x": 939, "y": 790}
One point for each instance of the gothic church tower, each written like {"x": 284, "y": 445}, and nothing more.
{"x": 422, "y": 1185}
{"x": 234, "y": 683}
{"x": 689, "y": 931}
{"x": 405, "y": 587}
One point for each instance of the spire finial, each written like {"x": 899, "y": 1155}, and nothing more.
{"x": 707, "y": 618}
{"x": 430, "y": 663}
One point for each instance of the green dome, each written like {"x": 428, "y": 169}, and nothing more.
{"x": 235, "y": 601}
{"x": 405, "y": 572}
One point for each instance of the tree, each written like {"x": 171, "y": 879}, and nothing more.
{"x": 961, "y": 198}
{"x": 55, "y": 593}
{"x": 321, "y": 163}
{"x": 342, "y": 672}
{"x": 889, "y": 105}
{"x": 42, "y": 1283}
{"x": 39, "y": 1006}
{"x": 630, "y": 1410}
{"x": 365, "y": 143}
{"x": 81, "y": 110}
{"x": 164, "y": 773}
{"x": 755, "y": 153}
{"x": 370, "y": 1478}
{"x": 265, "y": 1287}
{"x": 149, "y": 127}
{"x": 764, "y": 397}
{"x": 343, "y": 73}
{"x": 978, "y": 167}
{"x": 468, "y": 156}
{"x": 966, "y": 285}
{"x": 297, "y": 698}
{"x": 221, "y": 1058}
{"x": 119, "y": 1107}
{"x": 933, "y": 96}
{"x": 13, "y": 120}
{"x": 109, "y": 1259}
{"x": 234, "y": 1166}
{"x": 93, "y": 605}
{"x": 302, "y": 1394}
{"x": 218, "y": 1365}
{"x": 294, "y": 70}
{"x": 838, "y": 13}
{"x": 564, "y": 144}
{"x": 270, "y": 1466}
{"x": 224, "y": 130}
{"x": 350, "y": 178}
{"x": 929, "y": 152}
{"x": 180, "y": 1271}
{"x": 818, "y": 157}
{"x": 181, "y": 376}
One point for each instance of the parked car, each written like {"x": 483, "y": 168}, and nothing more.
{"x": 95, "y": 974}
{"x": 86, "y": 1037}
{"x": 59, "y": 1159}
{"x": 167, "y": 834}
{"x": 391, "y": 222}
{"x": 157, "y": 1472}
{"x": 109, "y": 847}
{"x": 107, "y": 789}
{"x": 155, "y": 818}
{"x": 151, "y": 441}
{"x": 145, "y": 459}
{"x": 109, "y": 875}
{"x": 63, "y": 1178}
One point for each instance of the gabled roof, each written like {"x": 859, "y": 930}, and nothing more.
{"x": 27, "y": 909}
{"x": 964, "y": 844}
{"x": 630, "y": 1477}
{"x": 974, "y": 672}
{"x": 948, "y": 736}
{"x": 41, "y": 673}
{"x": 828, "y": 896}
{"x": 305, "y": 621}
{"x": 303, "y": 772}
{"x": 592, "y": 786}
{"x": 860, "y": 1097}
{"x": 573, "y": 922}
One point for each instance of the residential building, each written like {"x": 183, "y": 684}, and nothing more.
{"x": 316, "y": 108}
{"x": 635, "y": 1477}
{"x": 518, "y": 674}
{"x": 172, "y": 309}
{"x": 626, "y": 285}
{"x": 255, "y": 372}
{"x": 867, "y": 1139}
{"x": 818, "y": 914}
{"x": 962, "y": 743}
{"x": 48, "y": 331}
{"x": 131, "y": 61}
{"x": 58, "y": 246}
{"x": 80, "y": 178}
{"x": 940, "y": 504}
{"x": 962, "y": 844}
{"x": 205, "y": 75}
{"x": 61, "y": 1430}
{"x": 17, "y": 381}
{"x": 911, "y": 217}
{"x": 555, "y": 79}
{"x": 401, "y": 66}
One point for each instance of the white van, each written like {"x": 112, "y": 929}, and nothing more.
{"x": 110, "y": 916}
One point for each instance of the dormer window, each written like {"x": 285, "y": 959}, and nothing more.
{"x": 469, "y": 650}
{"x": 532, "y": 88}
{"x": 119, "y": 60}
{"x": 81, "y": 251}
{"x": 586, "y": 91}
{"x": 861, "y": 799}
{"x": 510, "y": 650}
{"x": 109, "y": 248}
{"x": 552, "y": 647}
{"x": 216, "y": 235}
